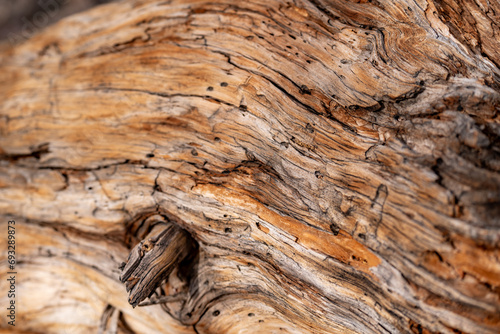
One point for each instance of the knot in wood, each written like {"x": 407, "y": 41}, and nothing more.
{"x": 152, "y": 260}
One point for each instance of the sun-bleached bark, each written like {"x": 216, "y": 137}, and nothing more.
{"x": 336, "y": 164}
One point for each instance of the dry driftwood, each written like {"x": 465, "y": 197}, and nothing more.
{"x": 337, "y": 164}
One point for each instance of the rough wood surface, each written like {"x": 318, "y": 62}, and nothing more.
{"x": 337, "y": 163}
{"x": 153, "y": 259}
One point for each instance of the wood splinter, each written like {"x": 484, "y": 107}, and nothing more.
{"x": 152, "y": 260}
{"x": 164, "y": 299}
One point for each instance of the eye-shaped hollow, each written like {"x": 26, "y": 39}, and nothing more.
{"x": 153, "y": 259}
{"x": 147, "y": 245}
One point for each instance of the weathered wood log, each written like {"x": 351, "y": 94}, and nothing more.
{"x": 337, "y": 164}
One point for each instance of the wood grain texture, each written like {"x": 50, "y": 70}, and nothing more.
{"x": 153, "y": 259}
{"x": 337, "y": 162}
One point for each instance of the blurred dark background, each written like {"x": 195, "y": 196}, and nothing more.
{"x": 19, "y": 19}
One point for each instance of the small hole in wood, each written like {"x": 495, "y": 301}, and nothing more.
{"x": 150, "y": 155}
{"x": 223, "y": 84}
{"x": 228, "y": 230}
{"x": 335, "y": 229}
{"x": 304, "y": 90}
{"x": 216, "y": 313}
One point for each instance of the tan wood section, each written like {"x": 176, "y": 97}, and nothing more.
{"x": 334, "y": 166}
